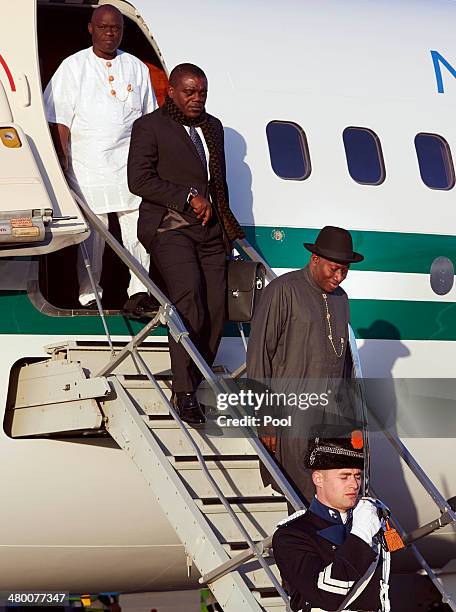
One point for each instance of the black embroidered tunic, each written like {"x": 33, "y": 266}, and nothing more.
{"x": 321, "y": 562}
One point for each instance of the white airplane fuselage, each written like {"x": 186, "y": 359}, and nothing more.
{"x": 76, "y": 514}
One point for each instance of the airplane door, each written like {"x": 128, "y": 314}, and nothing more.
{"x": 37, "y": 211}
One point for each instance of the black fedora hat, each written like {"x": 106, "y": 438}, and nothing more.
{"x": 335, "y": 244}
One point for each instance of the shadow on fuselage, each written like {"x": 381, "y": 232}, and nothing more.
{"x": 239, "y": 176}
{"x": 387, "y": 470}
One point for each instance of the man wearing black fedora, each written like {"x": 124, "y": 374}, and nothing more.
{"x": 298, "y": 342}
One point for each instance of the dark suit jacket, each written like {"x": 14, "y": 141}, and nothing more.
{"x": 163, "y": 164}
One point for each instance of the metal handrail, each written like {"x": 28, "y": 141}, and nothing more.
{"x": 400, "y": 447}
{"x": 448, "y": 514}
{"x": 235, "y": 562}
{"x": 168, "y": 315}
{"x": 420, "y": 474}
{"x": 447, "y": 599}
{"x": 253, "y": 254}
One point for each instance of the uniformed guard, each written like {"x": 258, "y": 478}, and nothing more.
{"x": 332, "y": 557}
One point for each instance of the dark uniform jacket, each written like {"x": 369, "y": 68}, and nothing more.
{"x": 320, "y": 561}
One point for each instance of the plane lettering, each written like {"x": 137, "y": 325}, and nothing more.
{"x": 437, "y": 60}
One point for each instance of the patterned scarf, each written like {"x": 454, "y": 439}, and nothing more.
{"x": 232, "y": 228}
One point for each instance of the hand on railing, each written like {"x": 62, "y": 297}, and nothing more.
{"x": 268, "y": 437}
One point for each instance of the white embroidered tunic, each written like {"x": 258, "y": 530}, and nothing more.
{"x": 79, "y": 96}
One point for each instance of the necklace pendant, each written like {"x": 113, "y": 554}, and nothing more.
{"x": 330, "y": 336}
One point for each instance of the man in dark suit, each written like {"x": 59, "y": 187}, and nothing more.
{"x": 177, "y": 165}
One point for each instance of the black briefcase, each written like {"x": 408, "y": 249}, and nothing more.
{"x": 245, "y": 285}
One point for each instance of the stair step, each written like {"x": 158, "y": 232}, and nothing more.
{"x": 145, "y": 396}
{"x": 94, "y": 355}
{"x": 269, "y": 599}
{"x": 141, "y": 390}
{"x": 257, "y": 580}
{"x": 233, "y": 483}
{"x": 271, "y": 604}
{"x": 170, "y": 435}
{"x": 256, "y": 577}
{"x": 260, "y": 520}
{"x": 140, "y": 381}
{"x": 213, "y": 505}
{"x": 227, "y": 462}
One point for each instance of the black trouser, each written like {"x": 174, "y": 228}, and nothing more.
{"x": 192, "y": 262}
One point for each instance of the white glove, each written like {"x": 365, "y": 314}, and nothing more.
{"x": 365, "y": 520}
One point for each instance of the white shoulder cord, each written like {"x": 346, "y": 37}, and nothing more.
{"x": 384, "y": 586}
{"x": 364, "y": 581}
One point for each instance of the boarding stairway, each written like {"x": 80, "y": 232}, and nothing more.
{"x": 207, "y": 484}
{"x": 167, "y": 453}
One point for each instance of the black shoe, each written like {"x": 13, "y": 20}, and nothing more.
{"x": 141, "y": 305}
{"x": 92, "y": 305}
{"x": 188, "y": 407}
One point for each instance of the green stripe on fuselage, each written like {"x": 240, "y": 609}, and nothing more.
{"x": 282, "y": 247}
{"x": 401, "y": 320}
{"x": 19, "y": 316}
{"x": 383, "y": 319}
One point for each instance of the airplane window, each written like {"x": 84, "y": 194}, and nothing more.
{"x": 288, "y": 150}
{"x": 434, "y": 159}
{"x": 364, "y": 156}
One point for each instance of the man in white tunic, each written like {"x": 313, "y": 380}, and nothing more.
{"x": 91, "y": 103}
